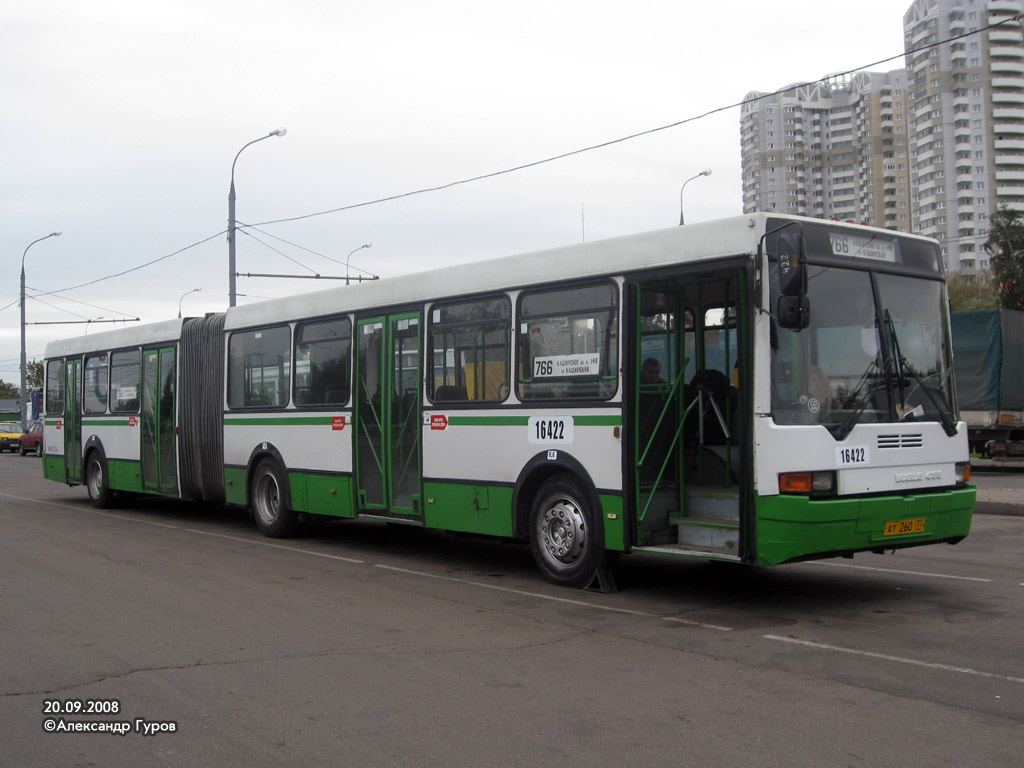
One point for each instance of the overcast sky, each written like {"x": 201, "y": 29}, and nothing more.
{"x": 122, "y": 119}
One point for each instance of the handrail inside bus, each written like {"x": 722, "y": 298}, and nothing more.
{"x": 699, "y": 402}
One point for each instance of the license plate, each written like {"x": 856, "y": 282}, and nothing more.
{"x": 900, "y": 527}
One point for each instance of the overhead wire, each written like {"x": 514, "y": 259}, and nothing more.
{"x": 553, "y": 158}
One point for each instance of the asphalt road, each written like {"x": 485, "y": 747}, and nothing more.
{"x": 371, "y": 645}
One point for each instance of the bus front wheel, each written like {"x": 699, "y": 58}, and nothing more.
{"x": 563, "y": 535}
{"x": 269, "y": 499}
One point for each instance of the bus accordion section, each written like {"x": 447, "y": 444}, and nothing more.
{"x": 759, "y": 390}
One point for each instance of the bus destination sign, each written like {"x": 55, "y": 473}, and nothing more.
{"x": 844, "y": 244}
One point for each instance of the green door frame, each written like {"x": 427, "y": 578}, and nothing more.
{"x": 387, "y": 434}
{"x": 659, "y": 407}
{"x": 159, "y": 441}
{"x": 73, "y": 419}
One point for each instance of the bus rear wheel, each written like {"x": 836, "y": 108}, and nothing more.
{"x": 100, "y": 495}
{"x": 269, "y": 498}
{"x": 563, "y": 534}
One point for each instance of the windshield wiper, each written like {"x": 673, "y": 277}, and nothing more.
{"x": 842, "y": 430}
{"x": 945, "y": 414}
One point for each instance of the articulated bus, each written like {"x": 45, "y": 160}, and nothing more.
{"x": 763, "y": 389}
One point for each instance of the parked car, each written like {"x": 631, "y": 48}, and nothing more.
{"x": 10, "y": 436}
{"x": 33, "y": 439}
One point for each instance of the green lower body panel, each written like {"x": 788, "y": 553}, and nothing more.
{"x": 54, "y": 468}
{"x": 321, "y": 494}
{"x": 484, "y": 509}
{"x": 798, "y": 528}
{"x": 125, "y": 476}
{"x": 614, "y": 530}
{"x": 235, "y": 491}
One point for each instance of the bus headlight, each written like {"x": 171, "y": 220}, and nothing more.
{"x": 813, "y": 484}
{"x": 963, "y": 472}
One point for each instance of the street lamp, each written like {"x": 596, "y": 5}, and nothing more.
{"x": 186, "y": 293}
{"x": 705, "y": 172}
{"x": 231, "y": 216}
{"x": 364, "y": 245}
{"x": 24, "y": 364}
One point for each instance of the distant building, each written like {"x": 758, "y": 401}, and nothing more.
{"x": 935, "y": 148}
{"x": 967, "y": 121}
{"x": 836, "y": 148}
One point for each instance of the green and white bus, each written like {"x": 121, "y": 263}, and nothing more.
{"x": 762, "y": 389}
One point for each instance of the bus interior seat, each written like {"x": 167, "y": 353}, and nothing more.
{"x": 450, "y": 392}
{"x": 335, "y": 396}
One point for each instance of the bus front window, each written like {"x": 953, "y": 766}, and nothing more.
{"x": 816, "y": 370}
{"x": 873, "y": 352}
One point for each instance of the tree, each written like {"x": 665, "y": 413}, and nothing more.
{"x": 34, "y": 374}
{"x": 8, "y": 391}
{"x": 973, "y": 291}
{"x": 1006, "y": 247}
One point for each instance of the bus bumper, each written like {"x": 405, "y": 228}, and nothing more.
{"x": 791, "y": 528}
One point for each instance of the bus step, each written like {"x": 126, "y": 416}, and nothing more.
{"x": 709, "y": 535}
{"x": 711, "y": 502}
{"x": 684, "y": 551}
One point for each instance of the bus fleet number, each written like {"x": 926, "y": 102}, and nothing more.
{"x": 854, "y": 455}
{"x": 551, "y": 429}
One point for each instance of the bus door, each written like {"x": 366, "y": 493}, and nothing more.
{"x": 689, "y": 479}
{"x": 159, "y": 446}
{"x": 387, "y": 415}
{"x": 658, "y": 409}
{"x": 73, "y": 419}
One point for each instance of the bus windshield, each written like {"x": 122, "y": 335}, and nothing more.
{"x": 875, "y": 350}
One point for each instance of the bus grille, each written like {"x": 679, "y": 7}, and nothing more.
{"x": 901, "y": 441}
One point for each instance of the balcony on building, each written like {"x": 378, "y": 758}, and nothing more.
{"x": 1015, "y": 96}
{"x": 1005, "y": 52}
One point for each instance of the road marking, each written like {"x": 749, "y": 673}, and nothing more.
{"x": 904, "y": 573}
{"x": 553, "y": 598}
{"x": 900, "y": 659}
{"x": 93, "y": 511}
{"x": 259, "y": 543}
{"x": 701, "y": 624}
{"x": 514, "y": 591}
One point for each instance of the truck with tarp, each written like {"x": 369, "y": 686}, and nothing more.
{"x": 988, "y": 358}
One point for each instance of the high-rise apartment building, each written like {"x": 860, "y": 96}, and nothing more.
{"x": 966, "y": 102}
{"x": 836, "y": 148}
{"x": 935, "y": 148}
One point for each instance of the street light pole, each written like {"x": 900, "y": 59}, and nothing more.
{"x": 186, "y": 293}
{"x": 24, "y": 363}
{"x": 364, "y": 245}
{"x": 705, "y": 172}
{"x": 231, "y": 215}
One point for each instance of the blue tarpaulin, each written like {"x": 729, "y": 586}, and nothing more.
{"x": 988, "y": 359}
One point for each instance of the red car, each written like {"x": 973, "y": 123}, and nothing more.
{"x": 33, "y": 439}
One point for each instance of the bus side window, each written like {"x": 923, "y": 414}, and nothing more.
{"x": 568, "y": 343}
{"x": 469, "y": 350}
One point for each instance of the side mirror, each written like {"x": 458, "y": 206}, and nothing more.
{"x": 792, "y": 273}
{"x": 794, "y": 312}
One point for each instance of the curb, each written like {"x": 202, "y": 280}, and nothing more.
{"x": 999, "y": 508}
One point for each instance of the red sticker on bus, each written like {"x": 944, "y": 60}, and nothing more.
{"x": 131, "y": 421}
{"x": 439, "y": 421}
{"x": 337, "y": 423}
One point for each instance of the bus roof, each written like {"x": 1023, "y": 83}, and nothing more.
{"x": 726, "y": 237}
{"x": 734, "y": 236}
{"x": 131, "y": 336}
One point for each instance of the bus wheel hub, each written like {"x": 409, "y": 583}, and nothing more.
{"x": 563, "y": 531}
